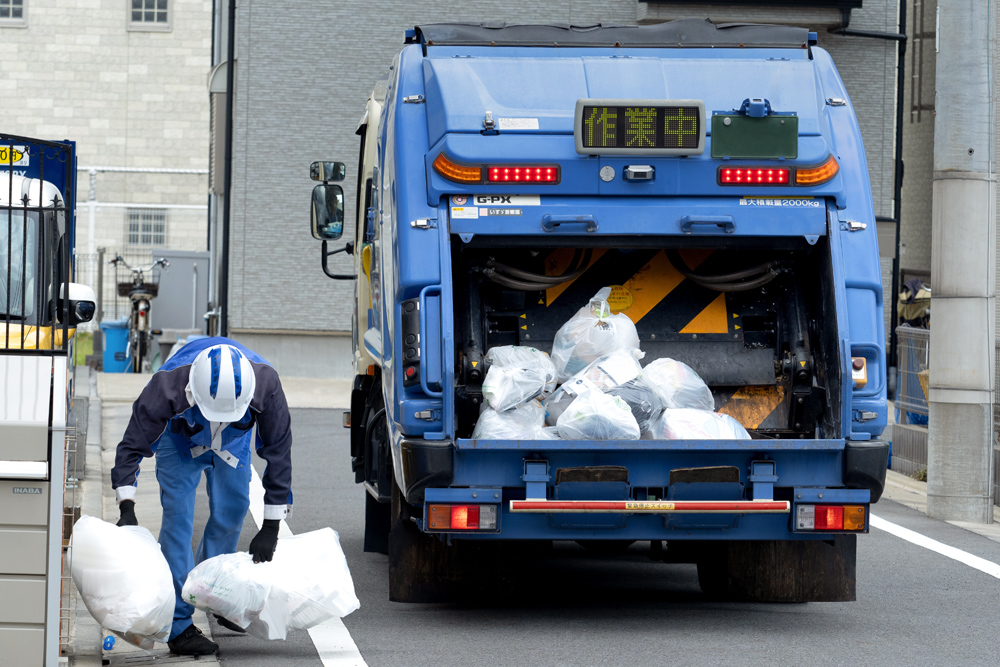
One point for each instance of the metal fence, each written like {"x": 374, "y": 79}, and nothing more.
{"x": 914, "y": 361}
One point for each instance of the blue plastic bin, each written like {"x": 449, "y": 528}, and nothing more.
{"x": 115, "y": 343}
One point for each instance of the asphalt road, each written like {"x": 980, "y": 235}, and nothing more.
{"x": 914, "y": 607}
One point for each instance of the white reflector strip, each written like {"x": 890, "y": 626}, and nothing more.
{"x": 651, "y": 506}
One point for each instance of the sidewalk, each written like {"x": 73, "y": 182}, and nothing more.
{"x": 111, "y": 396}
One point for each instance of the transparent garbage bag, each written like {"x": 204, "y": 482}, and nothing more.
{"x": 525, "y": 422}
{"x": 677, "y": 385}
{"x": 618, "y": 374}
{"x": 123, "y": 579}
{"x": 516, "y": 375}
{"x": 229, "y": 585}
{"x": 594, "y": 415}
{"x": 690, "y": 424}
{"x": 310, "y": 583}
{"x": 591, "y": 333}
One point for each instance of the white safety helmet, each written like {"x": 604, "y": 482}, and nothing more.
{"x": 222, "y": 383}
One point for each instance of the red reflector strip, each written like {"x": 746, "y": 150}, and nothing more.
{"x": 652, "y": 506}
{"x": 522, "y": 173}
{"x": 753, "y": 176}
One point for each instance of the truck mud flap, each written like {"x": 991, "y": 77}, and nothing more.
{"x": 425, "y": 463}
{"x": 865, "y": 463}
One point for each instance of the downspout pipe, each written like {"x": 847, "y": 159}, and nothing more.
{"x": 228, "y": 183}
{"x": 897, "y": 196}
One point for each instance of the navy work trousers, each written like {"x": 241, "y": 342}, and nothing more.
{"x": 228, "y": 501}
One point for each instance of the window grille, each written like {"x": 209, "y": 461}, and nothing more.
{"x": 149, "y": 15}
{"x": 147, "y": 227}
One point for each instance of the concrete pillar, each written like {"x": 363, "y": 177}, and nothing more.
{"x": 963, "y": 265}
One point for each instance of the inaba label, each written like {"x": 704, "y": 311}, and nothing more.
{"x": 29, "y": 490}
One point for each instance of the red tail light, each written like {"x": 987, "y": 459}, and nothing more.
{"x": 445, "y": 518}
{"x": 754, "y": 176}
{"x": 523, "y": 173}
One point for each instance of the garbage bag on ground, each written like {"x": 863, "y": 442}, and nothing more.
{"x": 677, "y": 385}
{"x": 689, "y": 424}
{"x": 618, "y": 374}
{"x": 306, "y": 583}
{"x": 594, "y": 415}
{"x": 310, "y": 583}
{"x": 124, "y": 580}
{"x": 591, "y": 333}
{"x": 517, "y": 374}
{"x": 525, "y": 422}
{"x": 229, "y": 585}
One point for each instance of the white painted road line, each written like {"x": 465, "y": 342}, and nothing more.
{"x": 332, "y": 640}
{"x": 980, "y": 564}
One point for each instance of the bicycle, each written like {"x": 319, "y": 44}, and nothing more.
{"x": 140, "y": 293}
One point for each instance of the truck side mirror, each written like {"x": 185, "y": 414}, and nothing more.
{"x": 82, "y": 303}
{"x": 327, "y": 212}
{"x": 327, "y": 171}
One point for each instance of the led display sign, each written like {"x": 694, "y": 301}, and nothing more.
{"x": 639, "y": 127}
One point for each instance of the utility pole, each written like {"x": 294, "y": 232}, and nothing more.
{"x": 963, "y": 265}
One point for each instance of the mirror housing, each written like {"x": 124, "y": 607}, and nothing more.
{"x": 327, "y": 212}
{"x": 82, "y": 303}
{"x": 327, "y": 171}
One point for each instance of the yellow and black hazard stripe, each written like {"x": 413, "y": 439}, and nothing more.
{"x": 649, "y": 289}
{"x": 756, "y": 408}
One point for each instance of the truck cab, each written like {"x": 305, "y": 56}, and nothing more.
{"x": 712, "y": 180}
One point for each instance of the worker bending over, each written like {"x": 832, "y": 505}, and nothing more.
{"x": 201, "y": 413}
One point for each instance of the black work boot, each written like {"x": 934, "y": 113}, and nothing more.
{"x": 192, "y": 642}
{"x": 228, "y": 625}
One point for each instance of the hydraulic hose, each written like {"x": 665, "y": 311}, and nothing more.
{"x": 576, "y": 268}
{"x": 514, "y": 283}
{"x": 753, "y": 271}
{"x": 745, "y": 285}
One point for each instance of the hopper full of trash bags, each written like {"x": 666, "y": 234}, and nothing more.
{"x": 594, "y": 387}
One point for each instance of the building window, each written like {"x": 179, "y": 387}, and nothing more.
{"x": 151, "y": 15}
{"x": 13, "y": 14}
{"x": 147, "y": 227}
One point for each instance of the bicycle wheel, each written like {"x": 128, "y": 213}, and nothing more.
{"x": 139, "y": 351}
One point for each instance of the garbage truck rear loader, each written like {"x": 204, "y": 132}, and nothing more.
{"x": 708, "y": 182}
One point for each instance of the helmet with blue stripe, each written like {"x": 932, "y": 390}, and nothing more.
{"x": 222, "y": 382}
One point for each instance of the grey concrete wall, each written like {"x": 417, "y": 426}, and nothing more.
{"x": 128, "y": 98}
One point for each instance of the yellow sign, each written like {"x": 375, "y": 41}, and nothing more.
{"x": 10, "y": 155}
{"x": 649, "y": 505}
{"x": 620, "y": 299}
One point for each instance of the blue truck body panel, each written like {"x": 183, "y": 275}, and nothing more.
{"x": 435, "y": 104}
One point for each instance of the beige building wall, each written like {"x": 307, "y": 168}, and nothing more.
{"x": 129, "y": 98}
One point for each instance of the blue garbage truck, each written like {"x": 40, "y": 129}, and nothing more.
{"x": 710, "y": 182}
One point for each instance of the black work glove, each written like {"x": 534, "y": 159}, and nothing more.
{"x": 263, "y": 544}
{"x": 127, "y": 508}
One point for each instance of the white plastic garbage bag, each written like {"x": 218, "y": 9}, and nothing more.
{"x": 688, "y": 424}
{"x": 595, "y": 415}
{"x": 123, "y": 579}
{"x": 591, "y": 333}
{"x": 525, "y": 422}
{"x": 517, "y": 374}
{"x": 677, "y": 385}
{"x": 306, "y": 583}
{"x": 310, "y": 583}
{"x": 229, "y": 585}
{"x": 618, "y": 374}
